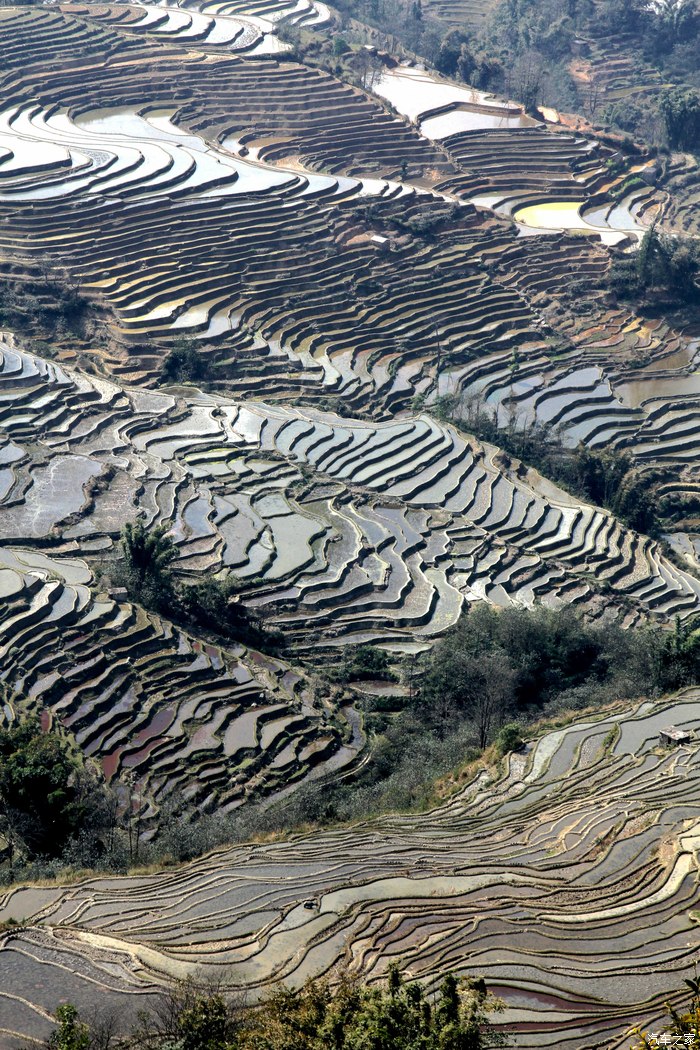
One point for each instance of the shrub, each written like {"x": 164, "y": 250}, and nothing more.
{"x": 365, "y": 663}
{"x": 184, "y": 364}
{"x": 681, "y": 1027}
{"x": 509, "y": 738}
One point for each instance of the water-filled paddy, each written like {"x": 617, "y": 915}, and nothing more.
{"x": 57, "y": 491}
{"x": 126, "y": 151}
{"x": 413, "y": 91}
{"x": 637, "y": 392}
{"x": 566, "y": 215}
{"x": 153, "y": 155}
{"x": 463, "y": 119}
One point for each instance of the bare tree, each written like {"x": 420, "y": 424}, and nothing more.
{"x": 527, "y": 79}
{"x": 496, "y": 682}
{"x": 592, "y": 95}
{"x": 370, "y": 68}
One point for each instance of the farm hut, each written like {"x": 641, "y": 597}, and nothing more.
{"x": 672, "y": 736}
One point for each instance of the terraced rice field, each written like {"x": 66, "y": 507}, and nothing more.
{"x": 139, "y": 695}
{"x": 180, "y": 717}
{"x": 442, "y": 108}
{"x": 461, "y": 12}
{"x": 569, "y": 882}
{"x": 184, "y": 202}
{"x": 339, "y": 533}
{"x": 279, "y": 216}
{"x": 347, "y": 530}
{"x": 329, "y": 255}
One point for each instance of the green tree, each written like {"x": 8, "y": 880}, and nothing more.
{"x": 682, "y": 269}
{"x": 451, "y": 51}
{"x": 205, "y": 1024}
{"x": 680, "y": 656}
{"x": 43, "y": 800}
{"x": 509, "y": 738}
{"x": 645, "y": 256}
{"x": 671, "y": 22}
{"x": 71, "y": 1033}
{"x": 620, "y": 15}
{"x": 147, "y": 555}
{"x": 394, "y": 1016}
{"x": 663, "y": 264}
{"x": 364, "y": 663}
{"x": 680, "y": 109}
{"x": 216, "y": 606}
{"x": 184, "y": 364}
{"x": 466, "y": 64}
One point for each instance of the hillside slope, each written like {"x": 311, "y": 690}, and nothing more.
{"x": 569, "y": 882}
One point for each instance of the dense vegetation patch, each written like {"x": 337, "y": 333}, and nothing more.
{"x": 47, "y": 310}
{"x": 665, "y": 268}
{"x": 48, "y": 797}
{"x": 345, "y": 1015}
{"x": 212, "y": 604}
{"x": 485, "y": 681}
{"x": 184, "y": 364}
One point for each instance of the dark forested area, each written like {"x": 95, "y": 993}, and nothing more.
{"x": 49, "y": 799}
